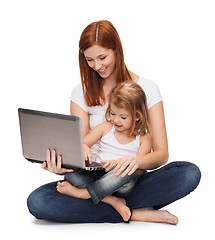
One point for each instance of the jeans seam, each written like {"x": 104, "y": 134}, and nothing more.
{"x": 92, "y": 194}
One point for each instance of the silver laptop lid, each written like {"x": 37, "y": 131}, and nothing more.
{"x": 42, "y": 130}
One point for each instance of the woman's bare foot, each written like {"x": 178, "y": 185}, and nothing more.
{"x": 68, "y": 189}
{"x": 120, "y": 205}
{"x": 151, "y": 215}
{"x": 122, "y": 209}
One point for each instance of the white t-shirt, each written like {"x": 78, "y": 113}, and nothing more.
{"x": 97, "y": 113}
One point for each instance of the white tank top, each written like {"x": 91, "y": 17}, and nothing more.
{"x": 111, "y": 149}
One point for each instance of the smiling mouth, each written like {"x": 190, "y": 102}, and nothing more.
{"x": 102, "y": 71}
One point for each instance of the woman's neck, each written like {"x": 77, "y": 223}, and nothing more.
{"x": 108, "y": 84}
{"x": 135, "y": 77}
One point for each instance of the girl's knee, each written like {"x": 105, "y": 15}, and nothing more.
{"x": 77, "y": 179}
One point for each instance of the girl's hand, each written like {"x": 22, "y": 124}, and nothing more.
{"x": 109, "y": 164}
{"x": 50, "y": 163}
{"x": 126, "y": 165}
{"x": 87, "y": 154}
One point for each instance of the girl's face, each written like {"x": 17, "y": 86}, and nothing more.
{"x": 121, "y": 119}
{"x": 102, "y": 60}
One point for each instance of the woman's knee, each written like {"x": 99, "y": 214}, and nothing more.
{"x": 33, "y": 203}
{"x": 37, "y": 200}
{"x": 192, "y": 175}
{"x": 189, "y": 175}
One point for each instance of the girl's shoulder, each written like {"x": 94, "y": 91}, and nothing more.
{"x": 105, "y": 127}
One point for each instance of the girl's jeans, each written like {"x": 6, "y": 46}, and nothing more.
{"x": 156, "y": 189}
{"x": 101, "y": 184}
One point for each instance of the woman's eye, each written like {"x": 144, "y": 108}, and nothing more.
{"x": 102, "y": 58}
{"x": 112, "y": 114}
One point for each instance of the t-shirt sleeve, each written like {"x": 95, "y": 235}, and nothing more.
{"x": 78, "y": 98}
{"x": 154, "y": 97}
{"x": 152, "y": 92}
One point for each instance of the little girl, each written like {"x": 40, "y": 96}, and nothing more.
{"x": 125, "y": 133}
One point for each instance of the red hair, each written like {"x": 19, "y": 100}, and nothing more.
{"x": 104, "y": 34}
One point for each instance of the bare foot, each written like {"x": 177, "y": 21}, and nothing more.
{"x": 120, "y": 206}
{"x": 68, "y": 189}
{"x": 151, "y": 215}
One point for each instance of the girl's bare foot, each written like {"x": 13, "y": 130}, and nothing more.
{"x": 68, "y": 189}
{"x": 120, "y": 206}
{"x": 151, "y": 215}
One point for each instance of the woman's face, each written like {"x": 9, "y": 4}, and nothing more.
{"x": 102, "y": 60}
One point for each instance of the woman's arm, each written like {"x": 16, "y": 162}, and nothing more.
{"x": 160, "y": 154}
{"x": 75, "y": 110}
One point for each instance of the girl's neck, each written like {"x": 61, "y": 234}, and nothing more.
{"x": 123, "y": 137}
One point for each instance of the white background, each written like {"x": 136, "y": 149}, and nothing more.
{"x": 171, "y": 42}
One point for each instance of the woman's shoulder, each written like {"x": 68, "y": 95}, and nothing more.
{"x": 143, "y": 82}
{"x": 77, "y": 89}
{"x": 77, "y": 97}
{"x": 147, "y": 84}
{"x": 151, "y": 90}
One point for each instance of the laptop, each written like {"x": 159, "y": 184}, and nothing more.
{"x": 42, "y": 130}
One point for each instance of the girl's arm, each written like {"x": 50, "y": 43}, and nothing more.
{"x": 96, "y": 134}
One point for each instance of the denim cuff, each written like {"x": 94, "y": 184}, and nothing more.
{"x": 92, "y": 194}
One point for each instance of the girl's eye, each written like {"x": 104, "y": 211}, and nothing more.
{"x": 102, "y": 58}
{"x": 123, "y": 118}
{"x": 112, "y": 113}
{"x": 89, "y": 60}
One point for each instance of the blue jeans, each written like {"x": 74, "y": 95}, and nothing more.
{"x": 156, "y": 189}
{"x": 101, "y": 184}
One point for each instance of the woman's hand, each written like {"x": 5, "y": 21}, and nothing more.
{"x": 126, "y": 165}
{"x": 50, "y": 163}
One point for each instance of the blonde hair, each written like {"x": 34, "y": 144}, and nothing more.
{"x": 130, "y": 96}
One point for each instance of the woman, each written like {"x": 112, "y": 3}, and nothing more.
{"x": 102, "y": 67}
